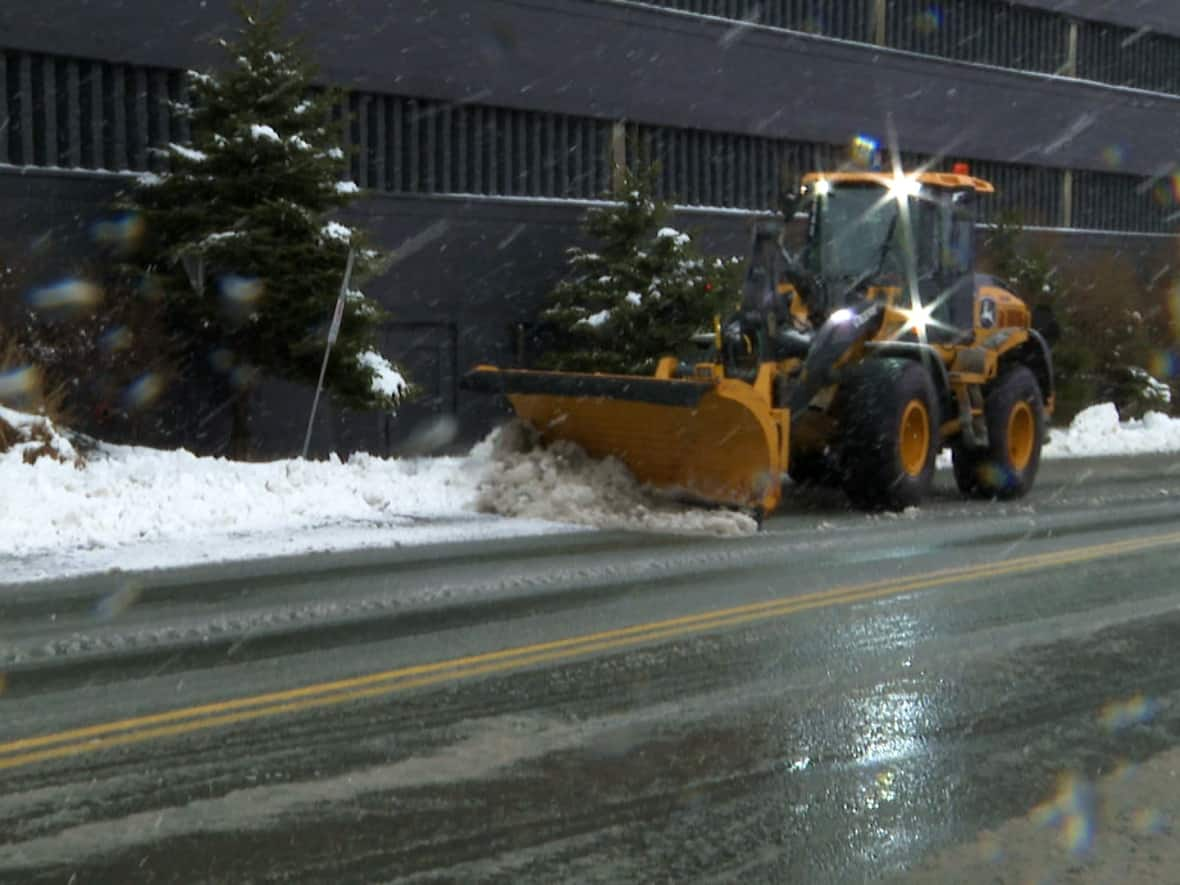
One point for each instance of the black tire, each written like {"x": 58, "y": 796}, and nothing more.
{"x": 813, "y": 469}
{"x": 1008, "y": 467}
{"x": 881, "y": 463}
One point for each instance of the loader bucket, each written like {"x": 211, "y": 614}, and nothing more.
{"x": 714, "y": 440}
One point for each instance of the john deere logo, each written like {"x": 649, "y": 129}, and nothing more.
{"x": 987, "y": 313}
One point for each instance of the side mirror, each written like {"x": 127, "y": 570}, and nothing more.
{"x": 788, "y": 202}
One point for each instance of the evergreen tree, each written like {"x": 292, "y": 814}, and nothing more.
{"x": 1106, "y": 318}
{"x": 239, "y": 241}
{"x": 640, "y": 295}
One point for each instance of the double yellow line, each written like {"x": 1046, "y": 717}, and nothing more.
{"x": 74, "y": 742}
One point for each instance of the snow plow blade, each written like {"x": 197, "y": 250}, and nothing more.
{"x": 707, "y": 438}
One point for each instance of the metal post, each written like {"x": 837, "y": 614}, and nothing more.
{"x": 877, "y": 15}
{"x": 1071, "y": 52}
{"x": 333, "y": 332}
{"x": 618, "y": 150}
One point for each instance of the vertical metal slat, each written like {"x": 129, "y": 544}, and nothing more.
{"x": 73, "y": 116}
{"x": 27, "y": 157}
{"x": 5, "y": 118}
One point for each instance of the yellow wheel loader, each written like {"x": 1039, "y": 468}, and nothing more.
{"x": 865, "y": 343}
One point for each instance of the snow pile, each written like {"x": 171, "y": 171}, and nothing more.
{"x": 133, "y": 495}
{"x": 26, "y": 439}
{"x": 561, "y": 483}
{"x": 138, "y": 507}
{"x": 1097, "y": 431}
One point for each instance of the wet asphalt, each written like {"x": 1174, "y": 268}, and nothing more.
{"x": 825, "y": 738}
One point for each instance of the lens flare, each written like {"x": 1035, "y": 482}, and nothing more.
{"x": 991, "y": 849}
{"x": 222, "y": 360}
{"x": 1174, "y": 308}
{"x": 1167, "y": 190}
{"x": 18, "y": 383}
{"x": 1121, "y": 715}
{"x": 1149, "y": 821}
{"x": 813, "y": 24}
{"x": 66, "y": 296}
{"x": 929, "y": 20}
{"x": 1114, "y": 156}
{"x": 116, "y": 603}
{"x": 996, "y": 476}
{"x": 1164, "y": 363}
{"x": 122, "y": 232}
{"x": 115, "y": 339}
{"x": 144, "y": 391}
{"x": 1072, "y": 812}
{"x": 244, "y": 376}
{"x": 239, "y": 290}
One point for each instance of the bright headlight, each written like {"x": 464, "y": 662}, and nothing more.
{"x": 904, "y": 186}
{"x": 842, "y": 315}
{"x": 917, "y": 319}
{"x": 823, "y": 187}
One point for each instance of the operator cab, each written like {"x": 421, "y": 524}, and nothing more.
{"x": 908, "y": 238}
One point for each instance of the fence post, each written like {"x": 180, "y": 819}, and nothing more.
{"x": 1071, "y": 52}
{"x": 877, "y": 13}
{"x": 618, "y": 153}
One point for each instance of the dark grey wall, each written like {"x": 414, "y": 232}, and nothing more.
{"x": 617, "y": 61}
{"x": 1159, "y": 15}
{"x": 472, "y": 269}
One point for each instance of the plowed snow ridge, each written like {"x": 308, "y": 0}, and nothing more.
{"x": 145, "y": 508}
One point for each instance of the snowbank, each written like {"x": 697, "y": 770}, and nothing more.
{"x": 134, "y": 495}
{"x": 142, "y": 508}
{"x": 26, "y": 439}
{"x": 1097, "y": 431}
{"x": 562, "y": 484}
{"x": 136, "y": 507}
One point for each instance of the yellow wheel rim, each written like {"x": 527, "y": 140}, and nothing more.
{"x": 1022, "y": 435}
{"x": 915, "y": 437}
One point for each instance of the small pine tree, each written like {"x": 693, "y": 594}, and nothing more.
{"x": 238, "y": 238}
{"x": 639, "y": 296}
{"x": 1106, "y": 318}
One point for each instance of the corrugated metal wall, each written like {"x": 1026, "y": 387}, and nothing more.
{"x": 982, "y": 31}
{"x": 88, "y": 114}
{"x": 993, "y": 32}
{"x": 416, "y": 146}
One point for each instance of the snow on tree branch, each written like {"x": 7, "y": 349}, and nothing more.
{"x": 387, "y": 381}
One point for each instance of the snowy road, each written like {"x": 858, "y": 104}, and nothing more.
{"x": 839, "y": 697}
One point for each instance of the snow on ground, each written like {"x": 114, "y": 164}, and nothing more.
{"x": 563, "y": 484}
{"x": 139, "y": 508}
{"x": 1097, "y": 431}
{"x": 27, "y": 438}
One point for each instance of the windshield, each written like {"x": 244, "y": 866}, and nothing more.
{"x": 855, "y": 228}
{"x": 860, "y": 232}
